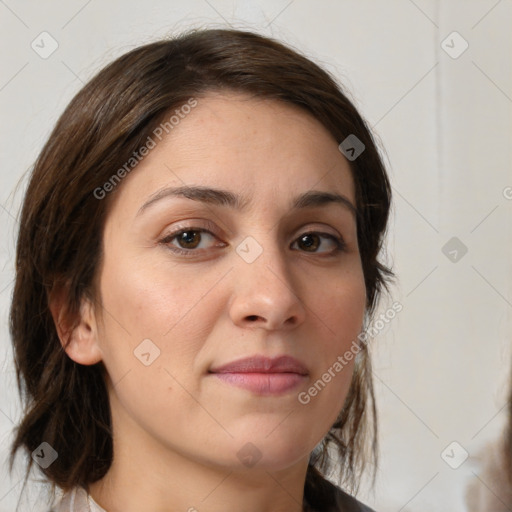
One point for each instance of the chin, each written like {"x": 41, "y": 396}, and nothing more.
{"x": 269, "y": 454}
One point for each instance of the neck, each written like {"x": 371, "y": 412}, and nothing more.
{"x": 182, "y": 485}
{"x": 146, "y": 475}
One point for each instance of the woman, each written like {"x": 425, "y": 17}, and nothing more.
{"x": 197, "y": 257}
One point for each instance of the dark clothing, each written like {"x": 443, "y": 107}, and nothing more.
{"x": 336, "y": 501}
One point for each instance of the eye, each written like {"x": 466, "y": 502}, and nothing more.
{"x": 187, "y": 240}
{"x": 311, "y": 241}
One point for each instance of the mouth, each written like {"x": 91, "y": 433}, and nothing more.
{"x": 263, "y": 375}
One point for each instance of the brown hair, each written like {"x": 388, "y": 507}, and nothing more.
{"x": 59, "y": 245}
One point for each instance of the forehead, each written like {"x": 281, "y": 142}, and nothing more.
{"x": 256, "y": 147}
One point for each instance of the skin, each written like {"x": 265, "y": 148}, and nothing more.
{"x": 177, "y": 428}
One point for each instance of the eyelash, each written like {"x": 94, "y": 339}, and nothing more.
{"x": 339, "y": 242}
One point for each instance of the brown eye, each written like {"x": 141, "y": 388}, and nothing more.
{"x": 310, "y": 242}
{"x": 189, "y": 239}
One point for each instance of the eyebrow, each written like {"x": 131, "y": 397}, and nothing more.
{"x": 310, "y": 199}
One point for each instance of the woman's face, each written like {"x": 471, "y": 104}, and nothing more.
{"x": 195, "y": 280}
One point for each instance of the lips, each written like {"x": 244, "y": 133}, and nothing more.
{"x": 262, "y": 364}
{"x": 263, "y": 375}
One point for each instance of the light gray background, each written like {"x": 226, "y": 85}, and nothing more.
{"x": 441, "y": 367}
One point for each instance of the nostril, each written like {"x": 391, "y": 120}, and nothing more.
{"x": 252, "y": 318}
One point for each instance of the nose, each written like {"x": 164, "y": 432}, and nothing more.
{"x": 265, "y": 294}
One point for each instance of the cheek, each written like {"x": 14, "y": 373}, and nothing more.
{"x": 151, "y": 315}
{"x": 149, "y": 298}
{"x": 139, "y": 303}
{"x": 341, "y": 306}
{"x": 146, "y": 300}
{"x": 341, "y": 311}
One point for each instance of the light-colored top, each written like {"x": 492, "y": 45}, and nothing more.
{"x": 77, "y": 500}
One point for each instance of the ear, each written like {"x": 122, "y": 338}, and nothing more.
{"x": 80, "y": 341}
